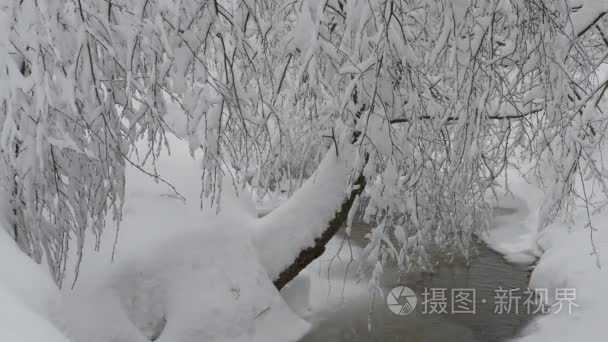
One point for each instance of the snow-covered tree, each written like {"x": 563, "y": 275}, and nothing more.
{"x": 418, "y": 105}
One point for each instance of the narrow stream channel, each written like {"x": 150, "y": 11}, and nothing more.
{"x": 487, "y": 273}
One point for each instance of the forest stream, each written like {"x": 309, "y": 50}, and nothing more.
{"x": 493, "y": 319}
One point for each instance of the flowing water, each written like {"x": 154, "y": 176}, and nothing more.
{"x": 363, "y": 318}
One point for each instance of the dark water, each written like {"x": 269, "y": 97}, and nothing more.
{"x": 369, "y": 319}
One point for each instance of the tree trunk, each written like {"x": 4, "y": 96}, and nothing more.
{"x": 309, "y": 254}
{"x": 291, "y": 236}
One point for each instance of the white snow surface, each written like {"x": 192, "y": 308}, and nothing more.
{"x": 21, "y": 324}
{"x": 26, "y": 294}
{"x": 568, "y": 261}
{"x": 563, "y": 257}
{"x": 24, "y": 279}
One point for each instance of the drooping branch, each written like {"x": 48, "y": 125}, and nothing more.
{"x": 453, "y": 118}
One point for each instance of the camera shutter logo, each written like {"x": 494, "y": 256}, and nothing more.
{"x": 401, "y": 300}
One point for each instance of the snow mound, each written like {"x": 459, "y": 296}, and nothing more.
{"x": 198, "y": 286}
{"x": 21, "y": 324}
{"x": 216, "y": 290}
{"x": 569, "y": 262}
{"x": 179, "y": 273}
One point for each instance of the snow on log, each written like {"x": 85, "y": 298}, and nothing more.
{"x": 294, "y": 234}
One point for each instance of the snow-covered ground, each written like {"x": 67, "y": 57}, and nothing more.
{"x": 187, "y": 272}
{"x": 26, "y": 294}
{"x": 563, "y": 256}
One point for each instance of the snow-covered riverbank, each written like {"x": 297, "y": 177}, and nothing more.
{"x": 564, "y": 256}
{"x": 568, "y": 261}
